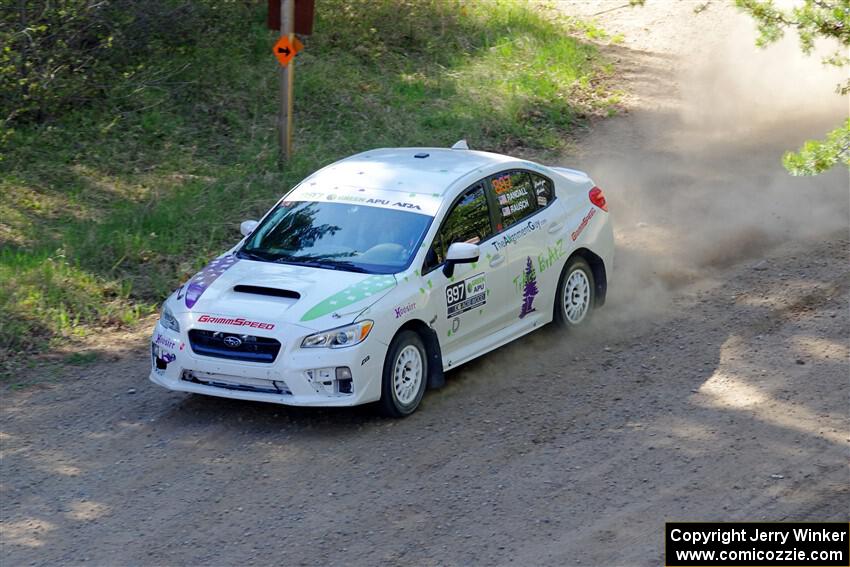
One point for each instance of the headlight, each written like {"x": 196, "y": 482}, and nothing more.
{"x": 168, "y": 320}
{"x": 349, "y": 335}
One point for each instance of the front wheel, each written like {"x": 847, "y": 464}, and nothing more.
{"x": 576, "y": 294}
{"x": 405, "y": 375}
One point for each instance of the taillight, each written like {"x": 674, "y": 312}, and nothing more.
{"x": 597, "y": 197}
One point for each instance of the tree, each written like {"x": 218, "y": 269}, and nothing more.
{"x": 529, "y": 289}
{"x": 813, "y": 19}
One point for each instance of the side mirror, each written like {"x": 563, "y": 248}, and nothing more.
{"x": 460, "y": 253}
{"x": 247, "y": 227}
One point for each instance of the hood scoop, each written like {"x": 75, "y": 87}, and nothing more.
{"x": 270, "y": 291}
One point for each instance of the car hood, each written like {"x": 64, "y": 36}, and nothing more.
{"x": 312, "y": 297}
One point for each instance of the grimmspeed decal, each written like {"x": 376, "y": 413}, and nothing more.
{"x": 466, "y": 295}
{"x": 577, "y": 232}
{"x": 235, "y": 321}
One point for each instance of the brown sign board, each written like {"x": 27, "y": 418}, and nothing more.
{"x": 304, "y": 11}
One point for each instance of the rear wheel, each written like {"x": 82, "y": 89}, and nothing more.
{"x": 576, "y": 294}
{"x": 405, "y": 375}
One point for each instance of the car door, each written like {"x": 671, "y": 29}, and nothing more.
{"x": 467, "y": 308}
{"x": 528, "y": 227}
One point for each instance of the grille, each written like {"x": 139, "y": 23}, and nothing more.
{"x": 237, "y": 383}
{"x": 250, "y": 349}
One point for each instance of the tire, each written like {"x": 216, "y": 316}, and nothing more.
{"x": 576, "y": 294}
{"x": 405, "y": 375}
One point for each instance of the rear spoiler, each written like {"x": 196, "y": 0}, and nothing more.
{"x": 573, "y": 175}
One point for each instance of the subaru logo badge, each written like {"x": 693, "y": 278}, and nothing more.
{"x": 232, "y": 342}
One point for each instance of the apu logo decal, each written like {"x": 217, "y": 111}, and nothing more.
{"x": 466, "y": 295}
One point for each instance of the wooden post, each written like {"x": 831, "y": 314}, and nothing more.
{"x": 287, "y": 76}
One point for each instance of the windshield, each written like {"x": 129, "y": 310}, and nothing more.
{"x": 338, "y": 236}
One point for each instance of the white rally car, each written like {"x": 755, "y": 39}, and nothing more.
{"x": 379, "y": 272}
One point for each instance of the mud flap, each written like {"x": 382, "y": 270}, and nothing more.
{"x": 436, "y": 377}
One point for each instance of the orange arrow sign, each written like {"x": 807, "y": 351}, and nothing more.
{"x": 285, "y": 50}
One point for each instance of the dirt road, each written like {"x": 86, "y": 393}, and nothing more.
{"x": 714, "y": 386}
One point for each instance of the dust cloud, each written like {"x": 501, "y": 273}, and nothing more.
{"x": 694, "y": 173}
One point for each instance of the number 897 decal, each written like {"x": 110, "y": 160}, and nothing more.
{"x": 465, "y": 295}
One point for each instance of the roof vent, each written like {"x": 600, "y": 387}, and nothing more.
{"x": 460, "y": 145}
{"x": 421, "y": 155}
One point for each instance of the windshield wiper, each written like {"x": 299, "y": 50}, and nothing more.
{"x": 341, "y": 265}
{"x": 252, "y": 256}
{"x": 347, "y": 266}
{"x": 334, "y": 265}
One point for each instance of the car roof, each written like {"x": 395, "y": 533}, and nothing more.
{"x": 400, "y": 170}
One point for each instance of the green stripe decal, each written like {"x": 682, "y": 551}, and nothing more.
{"x": 352, "y": 294}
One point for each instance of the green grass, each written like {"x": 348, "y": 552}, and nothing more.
{"x": 81, "y": 358}
{"x": 110, "y": 206}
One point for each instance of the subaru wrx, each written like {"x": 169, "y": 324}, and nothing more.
{"x": 378, "y": 273}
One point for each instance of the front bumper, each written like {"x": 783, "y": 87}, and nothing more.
{"x": 297, "y": 377}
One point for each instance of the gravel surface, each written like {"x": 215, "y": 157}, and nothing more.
{"x": 714, "y": 386}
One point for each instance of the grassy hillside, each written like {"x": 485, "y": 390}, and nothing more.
{"x": 112, "y": 199}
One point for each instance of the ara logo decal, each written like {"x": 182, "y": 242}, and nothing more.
{"x": 577, "y": 232}
{"x": 407, "y": 206}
